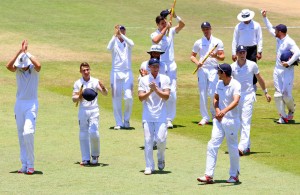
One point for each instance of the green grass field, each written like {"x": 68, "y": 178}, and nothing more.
{"x": 62, "y": 34}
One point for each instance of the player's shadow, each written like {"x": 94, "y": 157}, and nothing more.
{"x": 154, "y": 148}
{"x": 252, "y": 153}
{"x": 122, "y": 128}
{"x": 222, "y": 182}
{"x": 178, "y": 126}
{"x": 35, "y": 173}
{"x": 158, "y": 172}
{"x": 196, "y": 122}
{"x": 290, "y": 121}
{"x": 96, "y": 165}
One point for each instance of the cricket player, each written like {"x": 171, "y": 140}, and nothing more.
{"x": 243, "y": 71}
{"x": 164, "y": 36}
{"x": 153, "y": 92}
{"x": 27, "y": 69}
{"x": 283, "y": 74}
{"x": 121, "y": 78}
{"x": 225, "y": 124}
{"x": 88, "y": 115}
{"x": 207, "y": 73}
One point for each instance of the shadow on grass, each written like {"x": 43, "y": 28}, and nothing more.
{"x": 196, "y": 122}
{"x": 143, "y": 148}
{"x": 90, "y": 165}
{"x": 158, "y": 172}
{"x": 252, "y": 153}
{"x": 177, "y": 126}
{"x": 290, "y": 121}
{"x": 35, "y": 172}
{"x": 122, "y": 128}
{"x": 221, "y": 182}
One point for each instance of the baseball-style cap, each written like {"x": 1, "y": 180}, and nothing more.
{"x": 225, "y": 68}
{"x": 155, "y": 48}
{"x": 241, "y": 48}
{"x": 281, "y": 28}
{"x": 22, "y": 61}
{"x": 205, "y": 25}
{"x": 154, "y": 61}
{"x": 122, "y": 27}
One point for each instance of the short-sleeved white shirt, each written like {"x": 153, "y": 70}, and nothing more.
{"x": 226, "y": 94}
{"x": 244, "y": 75}
{"x": 27, "y": 82}
{"x": 154, "y": 107}
{"x": 93, "y": 84}
{"x": 167, "y": 45}
{"x": 203, "y": 46}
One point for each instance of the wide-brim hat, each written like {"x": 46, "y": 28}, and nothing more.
{"x": 245, "y": 15}
{"x": 22, "y": 61}
{"x": 155, "y": 48}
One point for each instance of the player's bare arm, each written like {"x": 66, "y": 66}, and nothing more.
{"x": 180, "y": 24}
{"x": 195, "y": 61}
{"x": 262, "y": 84}
{"x": 219, "y": 55}
{"x": 164, "y": 94}
{"x": 102, "y": 89}
{"x": 143, "y": 95}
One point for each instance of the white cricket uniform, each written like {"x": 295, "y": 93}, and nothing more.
{"x": 283, "y": 77}
{"x": 88, "y": 118}
{"x": 228, "y": 127}
{"x": 26, "y": 109}
{"x": 247, "y": 35}
{"x": 207, "y": 74}
{"x": 154, "y": 118}
{"x": 167, "y": 45}
{"x": 244, "y": 75}
{"x": 121, "y": 78}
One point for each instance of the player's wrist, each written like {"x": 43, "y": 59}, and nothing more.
{"x": 178, "y": 18}
{"x": 266, "y": 91}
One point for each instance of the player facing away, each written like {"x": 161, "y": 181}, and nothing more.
{"x": 153, "y": 92}
{"x": 121, "y": 78}
{"x": 27, "y": 69}
{"x": 243, "y": 71}
{"x": 207, "y": 73}
{"x": 225, "y": 124}
{"x": 283, "y": 75}
{"x": 85, "y": 93}
{"x": 164, "y": 36}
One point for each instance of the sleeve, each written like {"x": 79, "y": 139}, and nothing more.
{"x": 220, "y": 46}
{"x": 128, "y": 41}
{"x": 166, "y": 83}
{"x": 237, "y": 88}
{"x": 269, "y": 26}
{"x": 296, "y": 55}
{"x": 141, "y": 86}
{"x": 255, "y": 68}
{"x": 259, "y": 38}
{"x": 234, "y": 40}
{"x": 111, "y": 43}
{"x": 196, "y": 48}
{"x": 217, "y": 86}
{"x": 76, "y": 87}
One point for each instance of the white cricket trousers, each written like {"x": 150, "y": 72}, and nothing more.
{"x": 25, "y": 114}
{"x": 89, "y": 135}
{"x": 283, "y": 83}
{"x": 228, "y": 128}
{"x": 157, "y": 130}
{"x": 122, "y": 82}
{"x": 207, "y": 81}
{"x": 171, "y": 102}
{"x": 246, "y": 109}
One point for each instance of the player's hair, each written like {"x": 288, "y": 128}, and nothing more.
{"x": 158, "y": 19}
{"x": 85, "y": 64}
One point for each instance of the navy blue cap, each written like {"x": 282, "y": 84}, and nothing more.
{"x": 122, "y": 27}
{"x": 153, "y": 61}
{"x": 241, "y": 48}
{"x": 281, "y": 27}
{"x": 205, "y": 25}
{"x": 225, "y": 68}
{"x": 164, "y": 13}
{"x": 89, "y": 94}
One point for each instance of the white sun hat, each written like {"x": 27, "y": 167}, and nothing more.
{"x": 245, "y": 15}
{"x": 22, "y": 61}
{"x": 155, "y": 48}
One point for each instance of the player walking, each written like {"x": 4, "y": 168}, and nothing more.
{"x": 88, "y": 115}
{"x": 207, "y": 73}
{"x": 164, "y": 36}
{"x": 225, "y": 124}
{"x": 121, "y": 78}
{"x": 154, "y": 91}
{"x": 27, "y": 69}
{"x": 243, "y": 71}
{"x": 283, "y": 74}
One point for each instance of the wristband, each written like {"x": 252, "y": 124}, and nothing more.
{"x": 28, "y": 55}
{"x": 178, "y": 19}
{"x": 266, "y": 90}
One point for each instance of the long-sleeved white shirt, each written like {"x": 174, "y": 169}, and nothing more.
{"x": 247, "y": 35}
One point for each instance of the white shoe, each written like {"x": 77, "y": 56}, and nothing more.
{"x": 117, "y": 127}
{"x": 169, "y": 124}
{"x": 22, "y": 170}
{"x": 161, "y": 165}
{"x": 203, "y": 122}
{"x": 148, "y": 171}
{"x": 290, "y": 115}
{"x": 94, "y": 160}
{"x": 233, "y": 179}
{"x": 126, "y": 124}
{"x": 282, "y": 120}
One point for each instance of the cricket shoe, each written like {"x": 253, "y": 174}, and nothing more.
{"x": 94, "y": 160}
{"x": 203, "y": 122}
{"x": 290, "y": 116}
{"x": 117, "y": 127}
{"x": 233, "y": 179}
{"x": 85, "y": 162}
{"x": 30, "y": 171}
{"x": 161, "y": 165}
{"x": 126, "y": 125}
{"x": 206, "y": 179}
{"x": 148, "y": 171}
{"x": 169, "y": 124}
{"x": 22, "y": 170}
{"x": 282, "y": 120}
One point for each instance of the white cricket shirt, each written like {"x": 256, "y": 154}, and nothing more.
{"x": 27, "y": 82}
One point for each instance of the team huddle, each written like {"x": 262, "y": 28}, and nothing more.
{"x": 227, "y": 91}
